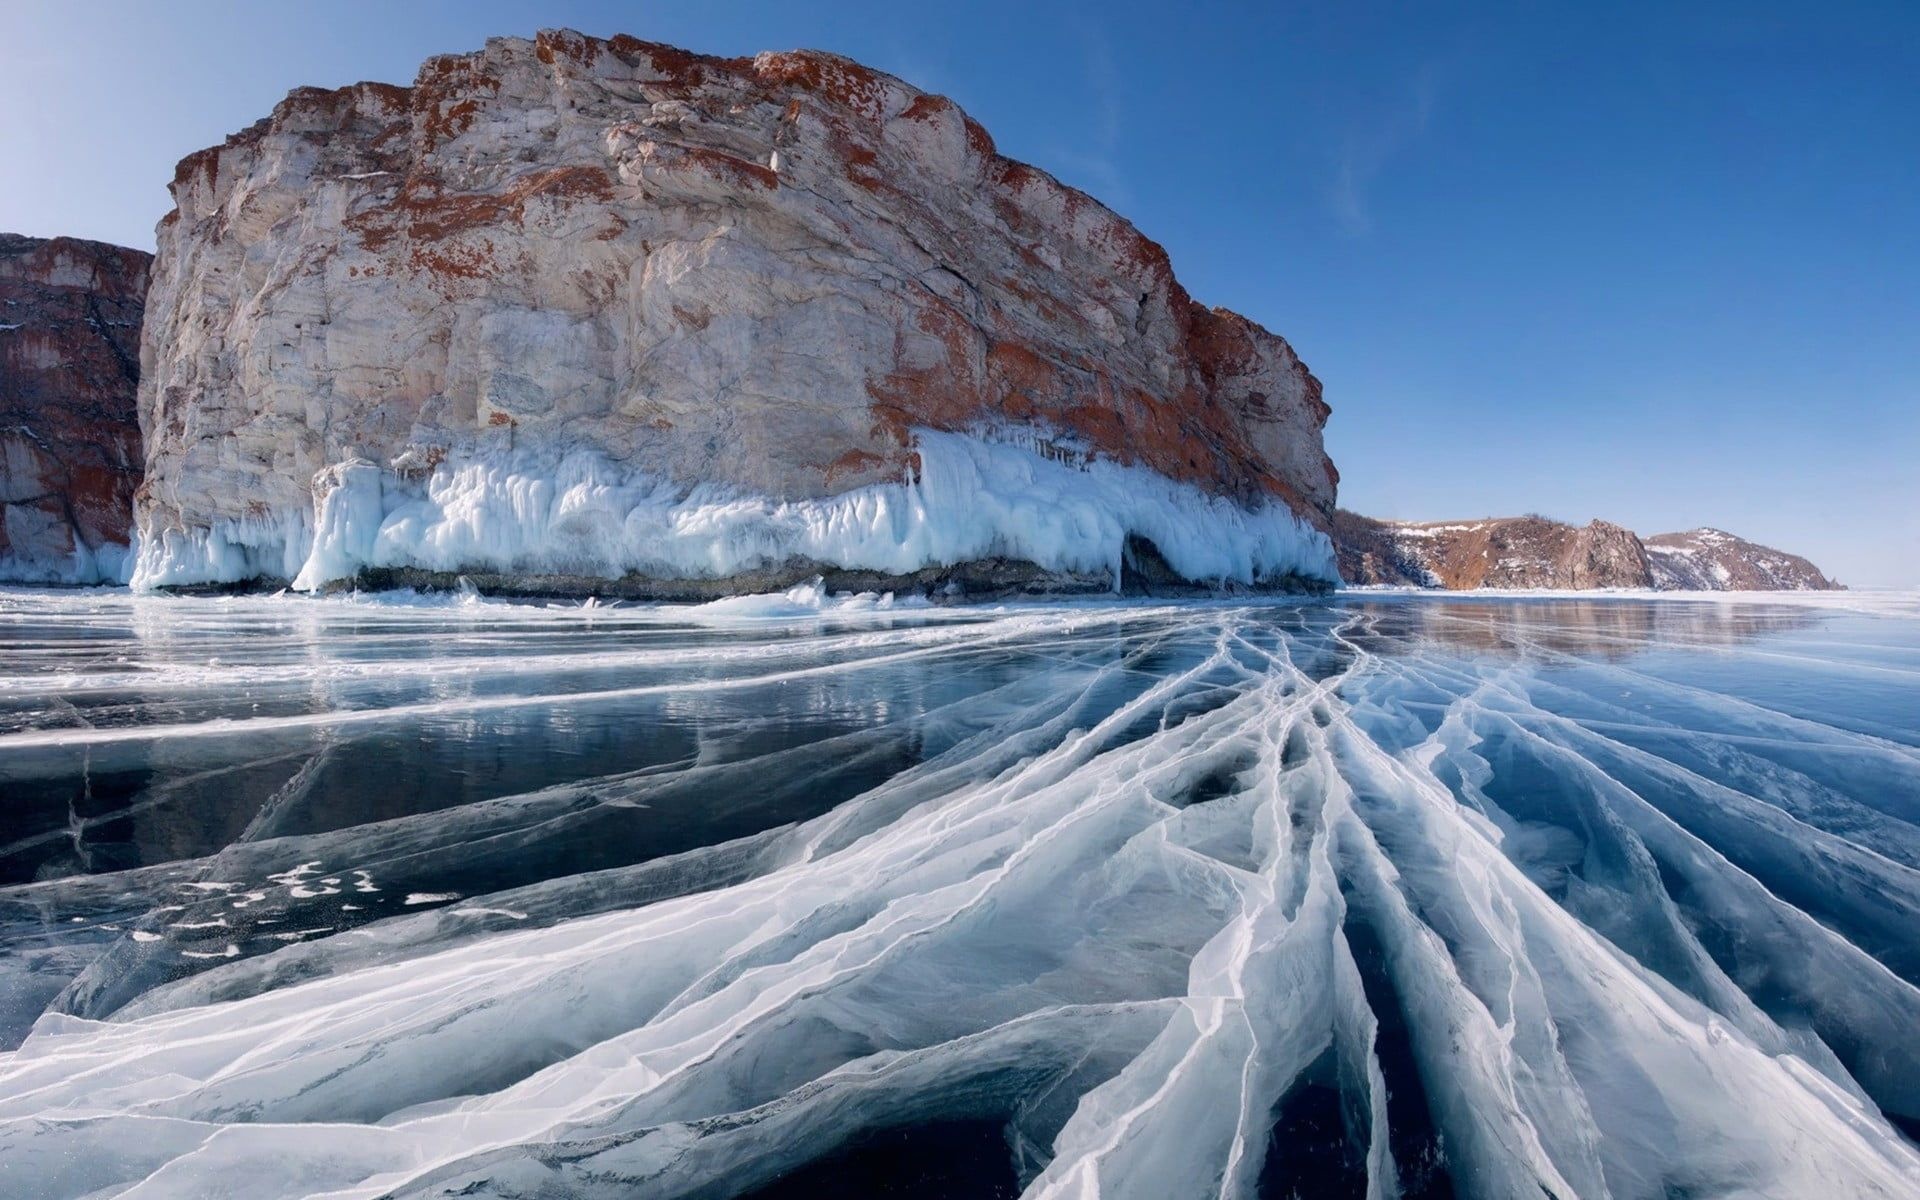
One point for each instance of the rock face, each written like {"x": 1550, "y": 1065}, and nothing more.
{"x": 1535, "y": 552}
{"x": 589, "y": 293}
{"x": 1713, "y": 560}
{"x": 1517, "y": 552}
{"x": 69, "y": 440}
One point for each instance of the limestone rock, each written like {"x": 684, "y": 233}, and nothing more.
{"x": 761, "y": 277}
{"x": 69, "y": 440}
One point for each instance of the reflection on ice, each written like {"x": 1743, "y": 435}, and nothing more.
{"x": 1379, "y": 896}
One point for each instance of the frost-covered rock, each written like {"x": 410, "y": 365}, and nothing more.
{"x": 606, "y": 307}
{"x": 1714, "y": 560}
{"x": 69, "y": 441}
{"x": 1535, "y": 552}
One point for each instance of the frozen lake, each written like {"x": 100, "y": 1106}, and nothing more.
{"x": 1379, "y": 895}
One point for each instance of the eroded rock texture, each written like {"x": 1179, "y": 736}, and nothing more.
{"x": 1536, "y": 552}
{"x": 762, "y": 274}
{"x": 69, "y": 440}
{"x": 1714, "y": 560}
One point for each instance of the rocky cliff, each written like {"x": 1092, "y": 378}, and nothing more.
{"x": 1715, "y": 561}
{"x": 1535, "y": 552}
{"x": 574, "y": 307}
{"x": 69, "y": 441}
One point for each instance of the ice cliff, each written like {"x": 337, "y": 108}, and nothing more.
{"x": 69, "y": 443}
{"x": 606, "y": 309}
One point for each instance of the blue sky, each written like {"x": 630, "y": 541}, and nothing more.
{"x": 1658, "y": 263}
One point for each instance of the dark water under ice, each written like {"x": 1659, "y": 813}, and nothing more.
{"x": 1380, "y": 895}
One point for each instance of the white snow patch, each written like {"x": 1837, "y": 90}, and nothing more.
{"x": 1427, "y": 531}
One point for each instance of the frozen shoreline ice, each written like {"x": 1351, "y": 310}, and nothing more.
{"x": 972, "y": 498}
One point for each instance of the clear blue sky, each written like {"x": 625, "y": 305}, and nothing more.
{"x": 1658, "y": 263}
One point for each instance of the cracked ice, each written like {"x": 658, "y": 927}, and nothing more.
{"x": 1379, "y": 896}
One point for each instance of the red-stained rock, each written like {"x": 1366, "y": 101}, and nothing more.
{"x": 69, "y": 439}
{"x": 1536, "y": 552}
{"x": 762, "y": 273}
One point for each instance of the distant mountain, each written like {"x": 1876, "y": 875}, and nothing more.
{"x": 1714, "y": 560}
{"x": 1536, "y": 552}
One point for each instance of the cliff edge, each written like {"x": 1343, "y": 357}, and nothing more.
{"x": 608, "y": 310}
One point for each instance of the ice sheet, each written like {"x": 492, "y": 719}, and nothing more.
{"x": 1549, "y": 897}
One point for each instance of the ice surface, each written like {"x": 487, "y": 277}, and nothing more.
{"x": 973, "y": 497}
{"x": 1596, "y": 898}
